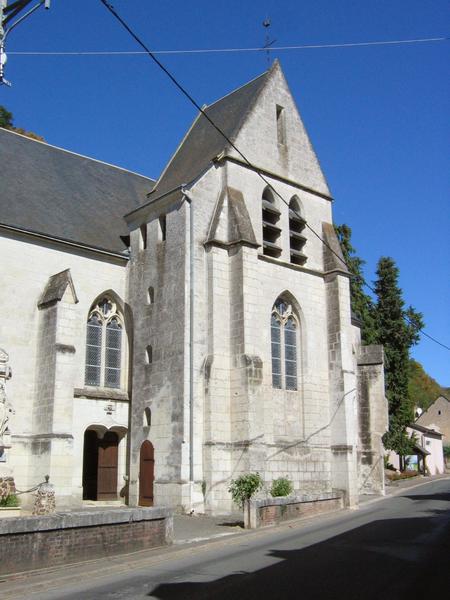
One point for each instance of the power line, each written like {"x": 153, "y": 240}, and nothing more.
{"x": 244, "y": 158}
{"x": 230, "y": 50}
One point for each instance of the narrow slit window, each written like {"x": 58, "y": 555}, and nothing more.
{"x": 162, "y": 228}
{"x": 281, "y": 126}
{"x": 149, "y": 355}
{"x": 143, "y": 237}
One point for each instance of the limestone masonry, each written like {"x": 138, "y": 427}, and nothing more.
{"x": 167, "y": 337}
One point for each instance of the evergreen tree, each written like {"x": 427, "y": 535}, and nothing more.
{"x": 361, "y": 303}
{"x": 397, "y": 335}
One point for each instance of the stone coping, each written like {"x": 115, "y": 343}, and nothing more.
{"x": 85, "y": 518}
{"x": 282, "y": 500}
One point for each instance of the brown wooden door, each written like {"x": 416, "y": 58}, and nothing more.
{"x": 107, "y": 466}
{"x": 146, "y": 474}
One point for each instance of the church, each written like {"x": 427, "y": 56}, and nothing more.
{"x": 164, "y": 337}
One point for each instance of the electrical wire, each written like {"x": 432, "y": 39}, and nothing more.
{"x": 244, "y": 158}
{"x": 229, "y": 50}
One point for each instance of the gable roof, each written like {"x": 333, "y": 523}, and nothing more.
{"x": 203, "y": 142}
{"x": 48, "y": 190}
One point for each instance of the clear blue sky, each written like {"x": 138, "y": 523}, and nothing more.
{"x": 377, "y": 116}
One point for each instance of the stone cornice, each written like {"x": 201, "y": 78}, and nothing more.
{"x": 266, "y": 173}
{"x": 101, "y": 394}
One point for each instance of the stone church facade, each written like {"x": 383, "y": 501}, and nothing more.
{"x": 203, "y": 331}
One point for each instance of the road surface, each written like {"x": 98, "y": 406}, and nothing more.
{"x": 393, "y": 549}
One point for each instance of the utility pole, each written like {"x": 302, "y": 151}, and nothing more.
{"x": 7, "y": 14}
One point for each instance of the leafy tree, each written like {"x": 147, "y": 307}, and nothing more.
{"x": 397, "y": 335}
{"x": 422, "y": 389}
{"x": 244, "y": 487}
{"x": 6, "y": 118}
{"x": 361, "y": 303}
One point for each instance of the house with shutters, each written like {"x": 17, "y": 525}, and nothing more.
{"x": 167, "y": 336}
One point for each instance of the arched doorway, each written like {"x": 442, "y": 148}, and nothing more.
{"x": 100, "y": 457}
{"x": 90, "y": 461}
{"x": 146, "y": 474}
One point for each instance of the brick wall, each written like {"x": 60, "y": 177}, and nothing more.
{"x": 39, "y": 542}
{"x": 277, "y": 510}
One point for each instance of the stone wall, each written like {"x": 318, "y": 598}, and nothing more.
{"x": 28, "y": 543}
{"x": 47, "y": 349}
{"x": 372, "y": 419}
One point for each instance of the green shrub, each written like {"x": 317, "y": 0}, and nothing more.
{"x": 10, "y": 501}
{"x": 244, "y": 487}
{"x": 281, "y": 487}
{"x": 447, "y": 451}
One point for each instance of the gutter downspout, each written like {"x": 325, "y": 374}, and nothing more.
{"x": 191, "y": 336}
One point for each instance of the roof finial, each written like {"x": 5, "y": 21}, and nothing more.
{"x": 268, "y": 42}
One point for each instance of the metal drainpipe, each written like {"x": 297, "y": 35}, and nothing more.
{"x": 191, "y": 337}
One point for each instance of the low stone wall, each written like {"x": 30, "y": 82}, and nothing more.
{"x": 28, "y": 543}
{"x": 272, "y": 511}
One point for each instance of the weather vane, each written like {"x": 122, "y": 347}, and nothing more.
{"x": 7, "y": 14}
{"x": 268, "y": 42}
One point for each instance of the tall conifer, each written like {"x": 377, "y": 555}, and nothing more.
{"x": 397, "y": 335}
{"x": 361, "y": 303}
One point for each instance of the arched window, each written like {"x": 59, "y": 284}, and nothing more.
{"x": 104, "y": 345}
{"x": 284, "y": 339}
{"x": 296, "y": 238}
{"x": 271, "y": 230}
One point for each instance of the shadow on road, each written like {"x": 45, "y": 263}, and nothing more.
{"x": 387, "y": 559}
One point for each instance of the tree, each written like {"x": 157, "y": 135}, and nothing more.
{"x": 423, "y": 389}
{"x": 361, "y": 304}
{"x": 6, "y": 118}
{"x": 397, "y": 335}
{"x": 6, "y": 121}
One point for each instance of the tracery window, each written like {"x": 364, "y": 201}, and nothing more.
{"x": 104, "y": 345}
{"x": 284, "y": 340}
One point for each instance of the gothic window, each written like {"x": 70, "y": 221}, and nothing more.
{"x": 284, "y": 339}
{"x": 296, "y": 238}
{"x": 104, "y": 345}
{"x": 271, "y": 229}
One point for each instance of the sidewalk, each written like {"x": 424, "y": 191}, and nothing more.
{"x": 199, "y": 528}
{"x": 394, "y": 488}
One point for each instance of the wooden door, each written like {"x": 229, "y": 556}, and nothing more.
{"x": 146, "y": 474}
{"x": 107, "y": 466}
{"x": 90, "y": 465}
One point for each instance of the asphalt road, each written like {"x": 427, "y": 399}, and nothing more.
{"x": 394, "y": 549}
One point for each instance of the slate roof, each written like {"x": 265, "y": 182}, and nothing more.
{"x": 203, "y": 142}
{"x": 49, "y": 190}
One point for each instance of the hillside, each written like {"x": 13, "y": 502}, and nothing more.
{"x": 423, "y": 389}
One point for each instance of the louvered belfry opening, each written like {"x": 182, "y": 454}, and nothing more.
{"x": 296, "y": 238}
{"x": 271, "y": 229}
